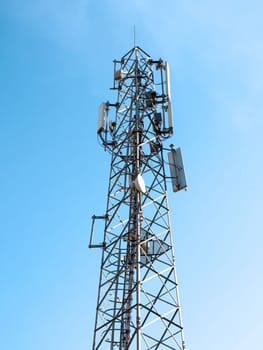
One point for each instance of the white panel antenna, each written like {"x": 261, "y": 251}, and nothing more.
{"x": 101, "y": 117}
{"x": 170, "y": 117}
{"x": 167, "y": 78}
{"x": 168, "y": 92}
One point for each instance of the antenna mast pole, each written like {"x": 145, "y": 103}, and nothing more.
{"x": 138, "y": 304}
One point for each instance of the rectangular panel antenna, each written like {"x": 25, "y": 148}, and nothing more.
{"x": 177, "y": 169}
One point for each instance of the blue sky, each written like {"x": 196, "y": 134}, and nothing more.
{"x": 56, "y": 68}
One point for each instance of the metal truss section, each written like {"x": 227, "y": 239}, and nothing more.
{"x": 138, "y": 304}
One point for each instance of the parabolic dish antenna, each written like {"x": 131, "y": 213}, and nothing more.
{"x": 140, "y": 184}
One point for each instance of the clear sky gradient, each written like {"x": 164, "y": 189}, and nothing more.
{"x": 55, "y": 69}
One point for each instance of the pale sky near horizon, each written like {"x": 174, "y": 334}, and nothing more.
{"x": 56, "y": 68}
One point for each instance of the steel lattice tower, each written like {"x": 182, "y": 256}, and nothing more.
{"x": 138, "y": 304}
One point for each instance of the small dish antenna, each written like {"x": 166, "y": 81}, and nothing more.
{"x": 139, "y": 184}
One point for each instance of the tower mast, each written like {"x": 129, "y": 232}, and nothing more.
{"x": 138, "y": 304}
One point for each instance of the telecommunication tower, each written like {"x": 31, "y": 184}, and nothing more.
{"x": 138, "y": 305}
